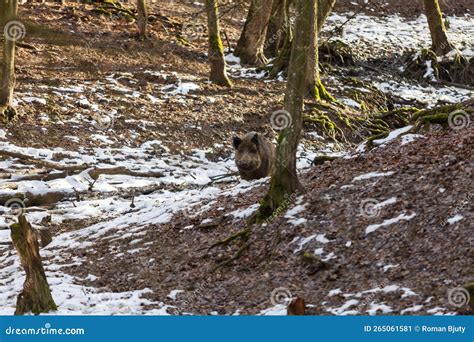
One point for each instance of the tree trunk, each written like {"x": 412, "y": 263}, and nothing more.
{"x": 324, "y": 9}
{"x": 276, "y": 28}
{"x": 142, "y": 18}
{"x": 313, "y": 81}
{"x": 281, "y": 62}
{"x": 284, "y": 180}
{"x": 217, "y": 62}
{"x": 36, "y": 295}
{"x": 440, "y": 42}
{"x": 8, "y": 14}
{"x": 251, "y": 42}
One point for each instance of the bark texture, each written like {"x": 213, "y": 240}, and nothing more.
{"x": 313, "y": 81}
{"x": 217, "y": 62}
{"x": 36, "y": 295}
{"x": 284, "y": 180}
{"x": 251, "y": 42}
{"x": 440, "y": 42}
{"x": 142, "y": 18}
{"x": 324, "y": 9}
{"x": 8, "y": 13}
{"x": 276, "y": 28}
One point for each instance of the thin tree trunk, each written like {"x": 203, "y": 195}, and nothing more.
{"x": 315, "y": 87}
{"x": 324, "y": 9}
{"x": 142, "y": 18}
{"x": 8, "y": 13}
{"x": 284, "y": 180}
{"x": 217, "y": 62}
{"x": 36, "y": 295}
{"x": 251, "y": 42}
{"x": 276, "y": 28}
{"x": 441, "y": 44}
{"x": 281, "y": 62}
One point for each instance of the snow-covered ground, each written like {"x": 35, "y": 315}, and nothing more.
{"x": 185, "y": 183}
{"x": 395, "y": 34}
{"x": 118, "y": 218}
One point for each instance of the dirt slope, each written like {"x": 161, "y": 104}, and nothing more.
{"x": 416, "y": 260}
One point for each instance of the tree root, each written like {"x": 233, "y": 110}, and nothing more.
{"x": 233, "y": 258}
{"x": 244, "y": 234}
{"x": 427, "y": 66}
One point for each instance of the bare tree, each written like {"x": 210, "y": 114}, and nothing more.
{"x": 11, "y": 29}
{"x": 142, "y": 18}
{"x": 217, "y": 62}
{"x": 284, "y": 180}
{"x": 251, "y": 42}
{"x": 315, "y": 87}
{"x": 440, "y": 42}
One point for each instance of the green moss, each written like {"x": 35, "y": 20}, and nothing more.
{"x": 321, "y": 93}
{"x": 319, "y": 160}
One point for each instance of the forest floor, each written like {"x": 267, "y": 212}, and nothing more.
{"x": 385, "y": 229}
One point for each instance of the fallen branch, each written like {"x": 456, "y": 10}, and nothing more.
{"x": 44, "y": 163}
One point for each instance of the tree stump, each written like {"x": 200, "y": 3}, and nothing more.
{"x": 36, "y": 295}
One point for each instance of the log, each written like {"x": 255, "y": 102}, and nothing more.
{"x": 36, "y": 295}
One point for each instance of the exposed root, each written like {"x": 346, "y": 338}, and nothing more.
{"x": 244, "y": 234}
{"x": 233, "y": 258}
{"x": 427, "y": 66}
{"x": 336, "y": 52}
{"x": 319, "y": 160}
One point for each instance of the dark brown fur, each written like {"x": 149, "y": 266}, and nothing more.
{"x": 254, "y": 156}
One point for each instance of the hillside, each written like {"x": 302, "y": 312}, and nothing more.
{"x": 122, "y": 149}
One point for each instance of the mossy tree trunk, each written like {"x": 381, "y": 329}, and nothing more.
{"x": 251, "y": 42}
{"x": 284, "y": 180}
{"x": 315, "y": 87}
{"x": 8, "y": 13}
{"x": 217, "y": 62}
{"x": 36, "y": 295}
{"x": 142, "y": 18}
{"x": 440, "y": 42}
{"x": 324, "y": 9}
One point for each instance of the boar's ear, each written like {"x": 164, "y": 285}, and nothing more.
{"x": 256, "y": 139}
{"x": 236, "y": 141}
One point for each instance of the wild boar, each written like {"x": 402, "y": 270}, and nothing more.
{"x": 254, "y": 156}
